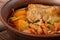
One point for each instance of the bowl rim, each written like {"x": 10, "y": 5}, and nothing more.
{"x": 13, "y": 29}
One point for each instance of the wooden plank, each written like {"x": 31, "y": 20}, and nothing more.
{"x": 5, "y": 36}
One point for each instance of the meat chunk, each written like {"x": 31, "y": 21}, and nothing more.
{"x": 51, "y": 13}
{"x": 37, "y": 11}
{"x": 34, "y": 12}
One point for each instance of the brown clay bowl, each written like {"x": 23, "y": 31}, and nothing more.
{"x": 15, "y": 4}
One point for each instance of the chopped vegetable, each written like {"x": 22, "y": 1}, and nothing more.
{"x": 26, "y": 25}
{"x": 36, "y": 24}
{"x": 50, "y": 25}
{"x": 21, "y": 25}
{"x": 49, "y": 31}
{"x": 14, "y": 19}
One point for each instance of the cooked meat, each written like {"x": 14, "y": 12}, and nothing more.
{"x": 32, "y": 13}
{"x": 36, "y": 12}
{"x": 51, "y": 13}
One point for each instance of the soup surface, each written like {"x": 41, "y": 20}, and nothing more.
{"x": 37, "y": 19}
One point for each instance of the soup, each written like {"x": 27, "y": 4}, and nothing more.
{"x": 37, "y": 19}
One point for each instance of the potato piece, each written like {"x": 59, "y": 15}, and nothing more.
{"x": 19, "y": 12}
{"x": 21, "y": 25}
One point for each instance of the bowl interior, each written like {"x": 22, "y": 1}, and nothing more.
{"x": 16, "y": 4}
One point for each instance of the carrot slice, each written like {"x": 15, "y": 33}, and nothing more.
{"x": 21, "y": 25}
{"x": 39, "y": 30}
{"x": 45, "y": 29}
{"x": 22, "y": 17}
{"x": 57, "y": 26}
{"x": 32, "y": 31}
{"x": 33, "y": 26}
{"x": 19, "y": 13}
{"x": 54, "y": 32}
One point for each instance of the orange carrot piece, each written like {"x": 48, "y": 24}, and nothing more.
{"x": 57, "y": 26}
{"x": 19, "y": 12}
{"x": 33, "y": 26}
{"x": 54, "y": 32}
{"x": 39, "y": 30}
{"x": 22, "y": 17}
{"x": 20, "y": 25}
{"x": 32, "y": 31}
{"x": 45, "y": 29}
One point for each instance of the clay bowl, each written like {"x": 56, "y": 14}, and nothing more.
{"x": 15, "y": 4}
